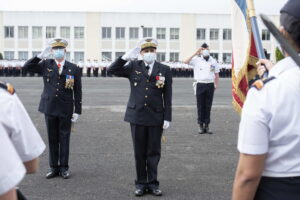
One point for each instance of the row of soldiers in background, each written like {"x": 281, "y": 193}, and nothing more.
{"x": 94, "y": 68}
{"x": 13, "y": 68}
{"x": 97, "y": 68}
{"x": 180, "y": 69}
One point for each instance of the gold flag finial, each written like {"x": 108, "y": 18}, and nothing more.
{"x": 251, "y": 9}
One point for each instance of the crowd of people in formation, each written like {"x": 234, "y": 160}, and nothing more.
{"x": 95, "y": 68}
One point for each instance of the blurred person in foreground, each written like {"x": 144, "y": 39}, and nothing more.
{"x": 269, "y": 139}
{"x": 20, "y": 143}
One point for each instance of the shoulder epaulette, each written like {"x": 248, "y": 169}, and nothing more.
{"x": 259, "y": 84}
{"x": 8, "y": 87}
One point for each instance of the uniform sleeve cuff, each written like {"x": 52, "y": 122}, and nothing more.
{"x": 36, "y": 152}
{"x": 252, "y": 149}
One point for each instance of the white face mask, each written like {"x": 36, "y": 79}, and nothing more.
{"x": 149, "y": 57}
{"x": 205, "y": 53}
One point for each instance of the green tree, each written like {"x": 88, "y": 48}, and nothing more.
{"x": 1, "y": 57}
{"x": 279, "y": 54}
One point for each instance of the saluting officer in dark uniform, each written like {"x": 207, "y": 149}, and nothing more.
{"x": 62, "y": 81}
{"x": 148, "y": 110}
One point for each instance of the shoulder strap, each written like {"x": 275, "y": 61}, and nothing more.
{"x": 8, "y": 87}
{"x": 259, "y": 84}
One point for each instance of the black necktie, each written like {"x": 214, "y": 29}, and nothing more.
{"x": 147, "y": 69}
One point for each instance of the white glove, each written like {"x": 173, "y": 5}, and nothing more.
{"x": 132, "y": 54}
{"x": 166, "y": 124}
{"x": 45, "y": 53}
{"x": 75, "y": 117}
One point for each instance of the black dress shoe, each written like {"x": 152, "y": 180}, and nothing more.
{"x": 139, "y": 192}
{"x": 65, "y": 174}
{"x": 201, "y": 129}
{"x": 206, "y": 128}
{"x": 52, "y": 174}
{"x": 155, "y": 192}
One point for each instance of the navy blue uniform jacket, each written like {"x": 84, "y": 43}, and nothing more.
{"x": 148, "y": 104}
{"x": 56, "y": 100}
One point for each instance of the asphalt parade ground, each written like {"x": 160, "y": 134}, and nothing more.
{"x": 192, "y": 167}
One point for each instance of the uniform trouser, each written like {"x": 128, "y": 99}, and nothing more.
{"x": 287, "y": 188}
{"x": 88, "y": 72}
{"x": 59, "y": 130}
{"x": 96, "y": 72}
{"x": 81, "y": 71}
{"x": 147, "y": 151}
{"x": 205, "y": 95}
{"x": 24, "y": 72}
{"x": 103, "y": 72}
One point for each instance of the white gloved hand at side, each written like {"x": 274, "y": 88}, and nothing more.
{"x": 166, "y": 125}
{"x": 75, "y": 117}
{"x": 45, "y": 53}
{"x": 132, "y": 54}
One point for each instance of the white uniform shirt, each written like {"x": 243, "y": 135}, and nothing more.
{"x": 5, "y": 64}
{"x": 88, "y": 64}
{"x": 270, "y": 122}
{"x": 61, "y": 66}
{"x": 150, "y": 67}
{"x": 17, "y": 123}
{"x": 80, "y": 64}
{"x": 204, "y": 71}
{"x": 12, "y": 169}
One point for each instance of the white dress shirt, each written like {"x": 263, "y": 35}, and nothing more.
{"x": 17, "y": 123}
{"x": 204, "y": 71}
{"x": 270, "y": 122}
{"x": 12, "y": 169}
{"x": 150, "y": 67}
{"x": 62, "y": 63}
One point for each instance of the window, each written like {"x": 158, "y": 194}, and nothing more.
{"x": 23, "y": 55}
{"x": 36, "y": 32}
{"x": 226, "y": 57}
{"x": 161, "y": 33}
{"x": 215, "y": 55}
{"x": 174, "y": 33}
{"x": 161, "y": 57}
{"x": 9, "y": 55}
{"x": 265, "y": 34}
{"x": 201, "y": 34}
{"x": 174, "y": 57}
{"x": 133, "y": 33}
{"x": 106, "y": 56}
{"x": 9, "y": 31}
{"x": 226, "y": 34}
{"x": 79, "y": 55}
{"x": 214, "y": 34}
{"x": 68, "y": 56}
{"x": 65, "y": 32}
{"x": 23, "y": 32}
{"x": 147, "y": 32}
{"x": 50, "y": 32}
{"x": 120, "y": 33}
{"x": 79, "y": 32}
{"x": 35, "y": 53}
{"x": 119, "y": 54}
{"x": 106, "y": 32}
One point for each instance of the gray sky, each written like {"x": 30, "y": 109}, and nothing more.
{"x": 271, "y": 7}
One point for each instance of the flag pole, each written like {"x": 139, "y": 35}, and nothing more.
{"x": 256, "y": 33}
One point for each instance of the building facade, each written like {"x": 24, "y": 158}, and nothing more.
{"x": 107, "y": 35}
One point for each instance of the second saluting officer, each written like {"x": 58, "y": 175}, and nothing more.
{"x": 62, "y": 89}
{"x": 148, "y": 110}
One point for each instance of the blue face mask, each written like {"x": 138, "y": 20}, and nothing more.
{"x": 59, "y": 53}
